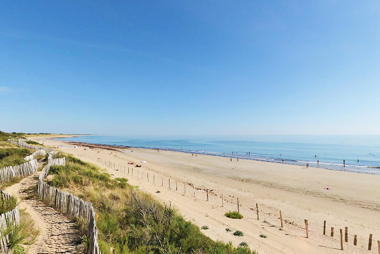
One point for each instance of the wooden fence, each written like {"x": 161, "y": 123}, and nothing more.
{"x": 22, "y": 143}
{"x": 22, "y": 170}
{"x": 7, "y": 219}
{"x": 69, "y": 204}
{"x": 36, "y": 154}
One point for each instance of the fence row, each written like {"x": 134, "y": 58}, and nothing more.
{"x": 22, "y": 143}
{"x": 8, "y": 219}
{"x": 22, "y": 170}
{"x": 69, "y": 204}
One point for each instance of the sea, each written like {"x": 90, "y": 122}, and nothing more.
{"x": 359, "y": 154}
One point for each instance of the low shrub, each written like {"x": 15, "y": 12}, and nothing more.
{"x": 228, "y": 230}
{"x": 238, "y": 233}
{"x": 234, "y": 215}
{"x": 263, "y": 236}
{"x": 204, "y": 227}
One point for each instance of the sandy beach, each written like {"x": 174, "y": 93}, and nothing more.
{"x": 342, "y": 199}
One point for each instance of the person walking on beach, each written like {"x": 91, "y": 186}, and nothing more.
{"x": 230, "y": 159}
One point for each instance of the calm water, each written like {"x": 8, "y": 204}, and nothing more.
{"x": 299, "y": 150}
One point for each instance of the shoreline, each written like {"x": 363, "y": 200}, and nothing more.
{"x": 348, "y": 168}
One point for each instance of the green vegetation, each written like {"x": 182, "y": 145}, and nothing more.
{"x": 12, "y": 156}
{"x": 263, "y": 236}
{"x": 4, "y": 136}
{"x": 204, "y": 227}
{"x": 234, "y": 215}
{"x": 31, "y": 142}
{"x": 238, "y": 233}
{"x": 7, "y": 204}
{"x": 130, "y": 221}
{"x": 228, "y": 230}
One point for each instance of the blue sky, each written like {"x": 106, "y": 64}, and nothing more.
{"x": 190, "y": 67}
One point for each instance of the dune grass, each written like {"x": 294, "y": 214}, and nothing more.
{"x": 12, "y": 156}
{"x": 130, "y": 221}
{"x": 7, "y": 204}
{"x": 234, "y": 215}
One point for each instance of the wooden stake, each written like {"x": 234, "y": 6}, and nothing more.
{"x": 356, "y": 240}
{"x": 307, "y": 228}
{"x": 324, "y": 228}
{"x": 222, "y": 201}
{"x": 370, "y": 242}
{"x": 332, "y": 231}
{"x": 346, "y": 234}
{"x": 238, "y": 207}
{"x": 282, "y": 225}
{"x": 207, "y": 194}
{"x": 341, "y": 239}
{"x": 378, "y": 246}
{"x": 257, "y": 211}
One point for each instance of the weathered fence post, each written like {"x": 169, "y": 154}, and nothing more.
{"x": 222, "y": 201}
{"x": 257, "y": 211}
{"x": 324, "y": 228}
{"x": 355, "y": 240}
{"x": 346, "y": 234}
{"x": 238, "y": 207}
{"x": 307, "y": 228}
{"x": 341, "y": 239}
{"x": 370, "y": 242}
{"x": 207, "y": 194}
{"x": 332, "y": 231}
{"x": 282, "y": 225}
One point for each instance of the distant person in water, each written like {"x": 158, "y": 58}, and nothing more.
{"x": 237, "y": 159}
{"x": 307, "y": 165}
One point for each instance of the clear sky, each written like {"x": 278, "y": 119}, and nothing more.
{"x": 190, "y": 67}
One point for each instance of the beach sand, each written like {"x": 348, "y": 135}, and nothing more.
{"x": 353, "y": 199}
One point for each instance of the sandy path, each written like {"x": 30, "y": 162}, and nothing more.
{"x": 353, "y": 201}
{"x": 57, "y": 233}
